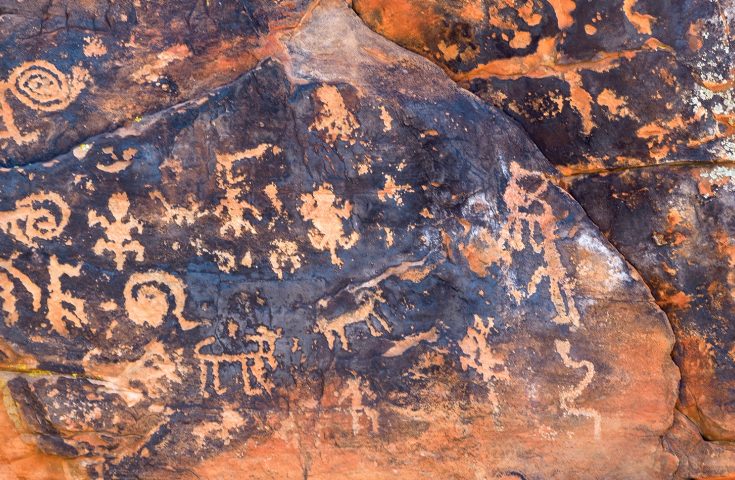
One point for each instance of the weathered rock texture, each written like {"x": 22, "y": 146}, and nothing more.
{"x": 259, "y": 240}
{"x": 606, "y": 90}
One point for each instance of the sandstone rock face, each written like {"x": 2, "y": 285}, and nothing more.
{"x": 259, "y": 240}
{"x": 607, "y": 90}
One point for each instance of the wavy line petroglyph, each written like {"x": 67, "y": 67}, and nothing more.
{"x": 118, "y": 239}
{"x": 568, "y": 398}
{"x": 39, "y": 216}
{"x": 527, "y": 210}
{"x": 41, "y": 86}
{"x": 253, "y": 365}
{"x": 147, "y": 299}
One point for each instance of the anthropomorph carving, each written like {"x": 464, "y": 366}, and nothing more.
{"x": 118, "y": 233}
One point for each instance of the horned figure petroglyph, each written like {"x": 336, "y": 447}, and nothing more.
{"x": 254, "y": 365}
{"x": 367, "y": 309}
{"x": 38, "y": 85}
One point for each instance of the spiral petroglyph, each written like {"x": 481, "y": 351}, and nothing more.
{"x": 40, "y": 216}
{"x": 41, "y": 86}
{"x": 147, "y": 299}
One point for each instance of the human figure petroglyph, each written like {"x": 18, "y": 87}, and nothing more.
{"x": 118, "y": 233}
{"x": 233, "y": 207}
{"x": 63, "y": 306}
{"x": 8, "y": 276}
{"x": 357, "y": 390}
{"x": 321, "y": 209}
{"x": 528, "y": 211}
{"x": 568, "y": 398}
{"x": 478, "y": 355}
{"x": 39, "y": 216}
{"x": 254, "y": 365}
{"x": 41, "y": 86}
{"x": 147, "y": 299}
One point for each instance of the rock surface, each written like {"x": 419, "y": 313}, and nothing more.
{"x": 633, "y": 102}
{"x": 259, "y": 239}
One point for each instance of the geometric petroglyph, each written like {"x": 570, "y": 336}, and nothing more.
{"x": 118, "y": 232}
{"x": 39, "y": 216}
{"x": 41, "y": 86}
{"x": 568, "y": 397}
{"x": 148, "y": 299}
{"x": 253, "y": 365}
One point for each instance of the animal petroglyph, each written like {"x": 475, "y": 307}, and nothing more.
{"x": 63, "y": 306}
{"x": 118, "y": 239}
{"x": 148, "y": 299}
{"x": 528, "y": 211}
{"x": 38, "y": 85}
{"x": 368, "y": 297}
{"x": 368, "y": 308}
{"x": 568, "y": 398}
{"x": 39, "y": 216}
{"x": 328, "y": 233}
{"x": 254, "y": 365}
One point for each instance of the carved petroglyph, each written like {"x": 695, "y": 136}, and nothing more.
{"x": 333, "y": 120}
{"x": 478, "y": 355}
{"x": 284, "y": 252}
{"x": 8, "y": 295}
{"x": 568, "y": 398}
{"x": 335, "y": 328}
{"x": 254, "y": 365}
{"x": 356, "y": 392}
{"x": 368, "y": 297}
{"x": 118, "y": 239}
{"x": 150, "y": 296}
{"x": 38, "y": 85}
{"x": 63, "y": 306}
{"x": 118, "y": 164}
{"x": 528, "y": 211}
{"x": 233, "y": 207}
{"x": 39, "y": 216}
{"x": 320, "y": 208}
